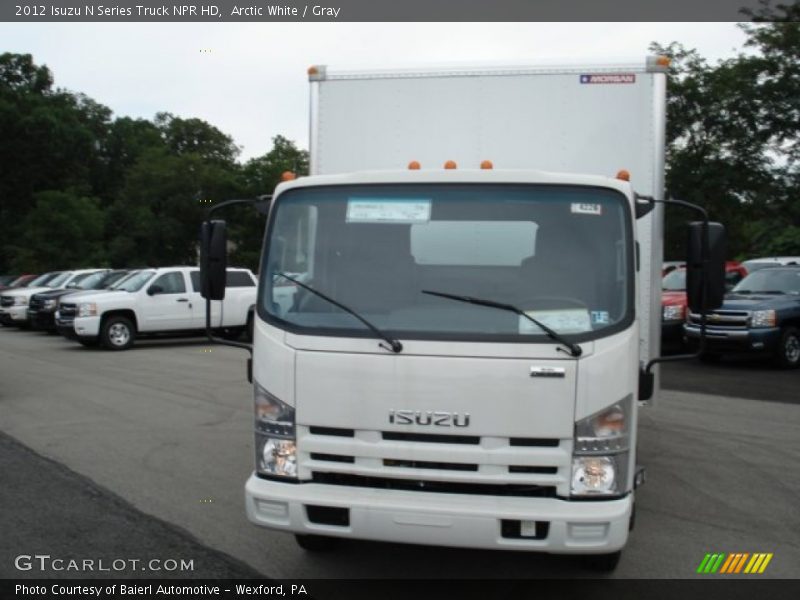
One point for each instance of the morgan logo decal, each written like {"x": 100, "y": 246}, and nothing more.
{"x": 609, "y": 78}
{"x": 434, "y": 418}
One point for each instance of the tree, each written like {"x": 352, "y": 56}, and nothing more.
{"x": 63, "y": 230}
{"x": 732, "y": 137}
{"x": 260, "y": 176}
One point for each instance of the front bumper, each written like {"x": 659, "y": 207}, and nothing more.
{"x": 88, "y": 327}
{"x": 757, "y": 341}
{"x": 65, "y": 326}
{"x": 671, "y": 331}
{"x": 470, "y": 521}
{"x": 14, "y": 315}
{"x": 41, "y": 319}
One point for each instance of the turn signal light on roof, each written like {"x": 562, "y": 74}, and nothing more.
{"x": 288, "y": 176}
{"x": 487, "y": 164}
{"x": 414, "y": 165}
{"x": 623, "y": 175}
{"x": 312, "y": 70}
{"x": 663, "y": 61}
{"x": 450, "y": 164}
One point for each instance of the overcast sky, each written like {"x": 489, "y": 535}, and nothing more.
{"x": 251, "y": 80}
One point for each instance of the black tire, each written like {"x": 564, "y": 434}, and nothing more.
{"x": 602, "y": 563}
{"x": 232, "y": 333}
{"x": 316, "y": 543}
{"x": 117, "y": 333}
{"x": 787, "y": 356}
{"x": 89, "y": 343}
{"x": 710, "y": 357}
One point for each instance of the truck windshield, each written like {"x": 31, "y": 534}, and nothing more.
{"x": 135, "y": 282}
{"x": 674, "y": 281}
{"x": 59, "y": 281}
{"x": 561, "y": 254}
{"x": 770, "y": 281}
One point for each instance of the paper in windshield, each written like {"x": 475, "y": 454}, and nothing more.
{"x": 571, "y": 320}
{"x": 378, "y": 210}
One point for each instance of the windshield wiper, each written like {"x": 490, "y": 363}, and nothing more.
{"x": 394, "y": 345}
{"x": 574, "y": 349}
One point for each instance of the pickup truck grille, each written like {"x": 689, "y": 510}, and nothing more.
{"x": 457, "y": 464}
{"x": 7, "y": 301}
{"x": 723, "y": 319}
{"x": 67, "y": 311}
{"x": 36, "y": 302}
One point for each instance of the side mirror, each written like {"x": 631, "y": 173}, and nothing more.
{"x": 213, "y": 259}
{"x": 154, "y": 290}
{"x": 709, "y": 274}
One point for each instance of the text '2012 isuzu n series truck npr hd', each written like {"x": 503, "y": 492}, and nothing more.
{"x": 456, "y": 307}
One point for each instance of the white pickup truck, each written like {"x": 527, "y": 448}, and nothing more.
{"x": 163, "y": 300}
{"x": 14, "y": 303}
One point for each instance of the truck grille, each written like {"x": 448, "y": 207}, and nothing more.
{"x": 36, "y": 302}
{"x": 723, "y": 319}
{"x": 455, "y": 464}
{"x": 7, "y": 301}
{"x": 67, "y": 311}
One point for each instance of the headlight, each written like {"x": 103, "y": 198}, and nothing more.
{"x": 88, "y": 309}
{"x": 276, "y": 453}
{"x": 674, "y": 312}
{"x": 594, "y": 475}
{"x": 600, "y": 454}
{"x": 20, "y": 301}
{"x": 50, "y": 304}
{"x": 763, "y": 318}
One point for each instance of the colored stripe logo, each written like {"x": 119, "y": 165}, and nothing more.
{"x": 734, "y": 563}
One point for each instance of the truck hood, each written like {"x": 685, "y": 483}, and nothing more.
{"x": 57, "y": 293}
{"x": 759, "y": 301}
{"x": 673, "y": 298}
{"x": 25, "y": 292}
{"x": 98, "y": 296}
{"x": 440, "y": 395}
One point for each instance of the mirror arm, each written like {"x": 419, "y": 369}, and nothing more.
{"x": 261, "y": 204}
{"x": 704, "y": 252}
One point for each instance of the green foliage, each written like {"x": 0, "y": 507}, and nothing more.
{"x": 732, "y": 137}
{"x": 62, "y": 230}
{"x": 260, "y": 176}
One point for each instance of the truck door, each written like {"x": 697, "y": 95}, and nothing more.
{"x": 166, "y": 305}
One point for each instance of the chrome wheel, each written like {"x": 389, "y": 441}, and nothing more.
{"x": 791, "y": 349}
{"x": 119, "y": 334}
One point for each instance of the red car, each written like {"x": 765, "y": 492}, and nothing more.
{"x": 673, "y": 298}
{"x": 15, "y": 281}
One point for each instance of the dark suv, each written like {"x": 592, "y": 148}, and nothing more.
{"x": 761, "y": 315}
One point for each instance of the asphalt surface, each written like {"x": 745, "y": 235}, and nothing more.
{"x": 93, "y": 524}
{"x": 167, "y": 427}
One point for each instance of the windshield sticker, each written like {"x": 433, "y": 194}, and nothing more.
{"x": 600, "y": 317}
{"x": 379, "y": 210}
{"x": 572, "y": 320}
{"x": 584, "y": 208}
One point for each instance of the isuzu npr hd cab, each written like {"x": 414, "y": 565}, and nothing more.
{"x": 476, "y": 293}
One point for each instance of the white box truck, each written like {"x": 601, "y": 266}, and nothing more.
{"x": 454, "y": 309}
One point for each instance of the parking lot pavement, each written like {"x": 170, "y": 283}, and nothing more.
{"x": 736, "y": 376}
{"x": 84, "y": 522}
{"x": 168, "y": 426}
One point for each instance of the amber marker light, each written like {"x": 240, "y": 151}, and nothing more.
{"x": 450, "y": 164}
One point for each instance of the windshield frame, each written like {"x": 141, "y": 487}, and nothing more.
{"x": 624, "y": 323}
